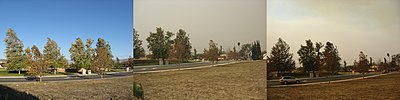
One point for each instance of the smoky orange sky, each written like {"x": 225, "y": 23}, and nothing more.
{"x": 371, "y": 26}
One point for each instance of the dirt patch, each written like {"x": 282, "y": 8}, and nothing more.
{"x": 377, "y": 88}
{"x": 236, "y": 81}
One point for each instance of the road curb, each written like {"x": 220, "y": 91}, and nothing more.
{"x": 187, "y": 68}
{"x": 345, "y": 80}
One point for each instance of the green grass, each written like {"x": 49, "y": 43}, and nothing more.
{"x": 4, "y": 72}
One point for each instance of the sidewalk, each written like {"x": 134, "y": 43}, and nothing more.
{"x": 71, "y": 75}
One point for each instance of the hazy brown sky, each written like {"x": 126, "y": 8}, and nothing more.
{"x": 371, "y": 26}
{"x": 227, "y": 22}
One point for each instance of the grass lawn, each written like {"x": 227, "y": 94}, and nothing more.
{"x": 377, "y": 88}
{"x": 232, "y": 82}
{"x": 4, "y": 72}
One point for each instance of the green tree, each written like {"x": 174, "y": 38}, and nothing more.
{"x": 53, "y": 55}
{"x": 78, "y": 55}
{"x": 89, "y": 53}
{"x": 160, "y": 43}
{"x": 14, "y": 52}
{"x": 39, "y": 63}
{"x": 137, "y": 46}
{"x": 212, "y": 53}
{"x": 181, "y": 47}
{"x": 117, "y": 63}
{"x": 280, "y": 59}
{"x": 331, "y": 59}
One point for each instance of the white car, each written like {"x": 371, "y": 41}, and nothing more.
{"x": 289, "y": 79}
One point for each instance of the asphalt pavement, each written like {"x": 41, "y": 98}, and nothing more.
{"x": 273, "y": 83}
{"x": 137, "y": 69}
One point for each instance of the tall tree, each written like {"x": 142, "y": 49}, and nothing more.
{"x": 39, "y": 63}
{"x": 89, "y": 53}
{"x": 137, "y": 46}
{"x": 280, "y": 59}
{"x": 362, "y": 65}
{"x": 310, "y": 56}
{"x": 181, "y": 47}
{"x": 331, "y": 59}
{"x": 103, "y": 57}
{"x": 233, "y": 55}
{"x": 160, "y": 43}
{"x": 195, "y": 56}
{"x": 14, "y": 52}
{"x": 245, "y": 52}
{"x": 78, "y": 54}
{"x": 53, "y": 55}
{"x": 212, "y": 52}
{"x": 117, "y": 63}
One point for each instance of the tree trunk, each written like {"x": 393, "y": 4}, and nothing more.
{"x": 19, "y": 71}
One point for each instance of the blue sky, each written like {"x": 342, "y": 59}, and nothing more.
{"x": 65, "y": 20}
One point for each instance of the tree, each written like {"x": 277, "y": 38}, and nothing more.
{"x": 245, "y": 52}
{"x": 195, "y": 56}
{"x": 14, "y": 52}
{"x": 160, "y": 43}
{"x": 233, "y": 55}
{"x": 53, "y": 55}
{"x": 212, "y": 53}
{"x": 362, "y": 65}
{"x": 137, "y": 46}
{"x": 310, "y": 56}
{"x": 331, "y": 59}
{"x": 280, "y": 59}
{"x": 256, "y": 51}
{"x": 103, "y": 57}
{"x": 396, "y": 60}
{"x": 89, "y": 53}
{"x": 181, "y": 47}
{"x": 78, "y": 55}
{"x": 39, "y": 63}
{"x": 117, "y": 63}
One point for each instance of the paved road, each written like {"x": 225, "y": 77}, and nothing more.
{"x": 321, "y": 79}
{"x": 108, "y": 75}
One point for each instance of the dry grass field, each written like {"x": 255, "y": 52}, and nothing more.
{"x": 240, "y": 81}
{"x": 237, "y": 81}
{"x": 377, "y": 88}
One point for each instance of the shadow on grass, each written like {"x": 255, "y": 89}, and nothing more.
{"x": 7, "y": 93}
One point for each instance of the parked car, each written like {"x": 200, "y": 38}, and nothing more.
{"x": 289, "y": 79}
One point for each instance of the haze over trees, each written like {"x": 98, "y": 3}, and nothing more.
{"x": 310, "y": 56}
{"x": 256, "y": 51}
{"x": 14, "y": 52}
{"x": 212, "y": 53}
{"x": 331, "y": 60}
{"x": 280, "y": 59}
{"x": 245, "y": 51}
{"x": 362, "y": 65}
